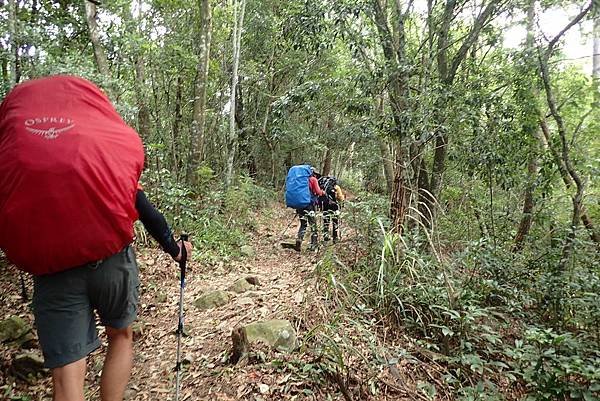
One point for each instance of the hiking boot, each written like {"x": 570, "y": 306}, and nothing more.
{"x": 326, "y": 237}
{"x": 298, "y": 246}
{"x": 335, "y": 239}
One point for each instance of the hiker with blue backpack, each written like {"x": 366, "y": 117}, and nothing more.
{"x": 301, "y": 193}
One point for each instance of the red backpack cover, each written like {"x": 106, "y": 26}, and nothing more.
{"x": 69, "y": 170}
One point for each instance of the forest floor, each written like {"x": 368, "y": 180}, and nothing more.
{"x": 288, "y": 289}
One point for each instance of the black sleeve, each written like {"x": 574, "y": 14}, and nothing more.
{"x": 155, "y": 224}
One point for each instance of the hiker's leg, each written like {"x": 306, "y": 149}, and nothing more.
{"x": 117, "y": 364}
{"x": 326, "y": 219}
{"x": 335, "y": 221}
{"x": 68, "y": 381}
{"x": 312, "y": 220}
{"x": 302, "y": 214}
{"x": 114, "y": 291}
{"x": 66, "y": 329}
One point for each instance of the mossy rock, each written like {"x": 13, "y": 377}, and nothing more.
{"x": 278, "y": 334}
{"x": 212, "y": 299}
{"x": 27, "y": 341}
{"x": 244, "y": 284}
{"x": 13, "y": 328}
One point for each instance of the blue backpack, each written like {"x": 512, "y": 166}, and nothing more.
{"x": 297, "y": 192}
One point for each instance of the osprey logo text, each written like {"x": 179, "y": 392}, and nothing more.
{"x": 49, "y": 127}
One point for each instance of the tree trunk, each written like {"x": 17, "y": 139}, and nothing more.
{"x": 14, "y": 50}
{"x": 347, "y": 162}
{"x": 384, "y": 150}
{"x": 245, "y": 134}
{"x": 532, "y": 164}
{"x": 447, "y": 70}
{"x": 596, "y": 56}
{"x": 400, "y": 195}
{"x": 393, "y": 46}
{"x": 388, "y": 165}
{"x": 566, "y": 178}
{"x": 569, "y": 243}
{"x": 199, "y": 116}
{"x": 143, "y": 115}
{"x": 99, "y": 56}
{"x": 528, "y": 202}
{"x": 5, "y": 74}
{"x": 233, "y": 138}
{"x": 176, "y": 128}
{"x": 270, "y": 145}
{"x": 326, "y": 168}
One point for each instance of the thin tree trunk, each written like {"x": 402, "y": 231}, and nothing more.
{"x": 270, "y": 145}
{"x": 176, "y": 126}
{"x": 199, "y": 116}
{"x": 143, "y": 111}
{"x": 347, "y": 162}
{"x": 263, "y": 132}
{"x": 384, "y": 150}
{"x": 532, "y": 164}
{"x": 569, "y": 244}
{"x": 245, "y": 134}
{"x": 585, "y": 218}
{"x": 233, "y": 138}
{"x": 556, "y": 290}
{"x": 143, "y": 116}
{"x": 528, "y": 202}
{"x": 400, "y": 195}
{"x": 388, "y": 165}
{"x": 393, "y": 46}
{"x": 447, "y": 70}
{"x": 596, "y": 55}
{"x": 14, "y": 51}
{"x": 326, "y": 168}
{"x": 99, "y": 55}
{"x": 5, "y": 74}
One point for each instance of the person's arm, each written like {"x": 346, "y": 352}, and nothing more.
{"x": 156, "y": 225}
{"x": 313, "y": 185}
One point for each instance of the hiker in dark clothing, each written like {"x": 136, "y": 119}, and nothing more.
{"x": 307, "y": 215}
{"x": 330, "y": 204}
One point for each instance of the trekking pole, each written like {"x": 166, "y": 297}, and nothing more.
{"x": 182, "y": 263}
{"x": 288, "y": 226}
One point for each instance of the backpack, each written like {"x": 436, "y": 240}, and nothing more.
{"x": 69, "y": 171}
{"x": 297, "y": 192}
{"x": 327, "y": 184}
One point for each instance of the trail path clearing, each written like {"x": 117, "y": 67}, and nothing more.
{"x": 284, "y": 292}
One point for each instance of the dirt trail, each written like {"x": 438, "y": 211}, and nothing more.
{"x": 284, "y": 293}
{"x": 280, "y": 295}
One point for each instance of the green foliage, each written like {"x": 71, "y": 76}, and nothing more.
{"x": 557, "y": 365}
{"x": 219, "y": 221}
{"x": 468, "y": 304}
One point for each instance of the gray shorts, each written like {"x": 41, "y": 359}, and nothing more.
{"x": 64, "y": 305}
